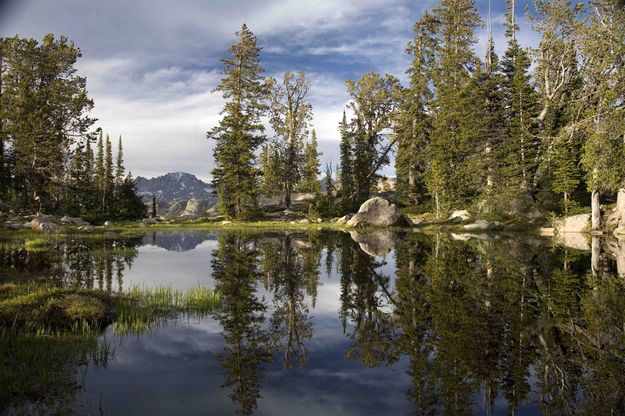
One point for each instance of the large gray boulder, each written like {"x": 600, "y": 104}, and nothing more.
{"x": 573, "y": 224}
{"x": 460, "y": 216}
{"x": 43, "y": 223}
{"x": 379, "y": 212}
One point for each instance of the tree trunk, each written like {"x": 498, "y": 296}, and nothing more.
{"x": 596, "y": 211}
{"x": 286, "y": 195}
{"x": 619, "y": 211}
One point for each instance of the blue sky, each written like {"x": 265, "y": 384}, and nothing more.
{"x": 151, "y": 64}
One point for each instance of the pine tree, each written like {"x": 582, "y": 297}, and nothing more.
{"x": 290, "y": 115}
{"x": 519, "y": 152}
{"x": 310, "y": 171}
{"x": 603, "y": 119}
{"x": 44, "y": 113}
{"x": 559, "y": 85}
{"x": 486, "y": 116}
{"x": 109, "y": 179}
{"x": 239, "y": 134}
{"x": 346, "y": 178}
{"x": 449, "y": 178}
{"x": 119, "y": 164}
{"x": 374, "y": 101}
{"x": 100, "y": 173}
{"x": 413, "y": 125}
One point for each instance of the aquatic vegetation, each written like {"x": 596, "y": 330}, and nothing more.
{"x": 37, "y": 244}
{"x": 43, "y": 308}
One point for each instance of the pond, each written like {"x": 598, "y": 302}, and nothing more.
{"x": 332, "y": 323}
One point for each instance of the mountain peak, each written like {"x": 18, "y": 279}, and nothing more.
{"x": 173, "y": 186}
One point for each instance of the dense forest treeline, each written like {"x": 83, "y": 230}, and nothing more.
{"x": 536, "y": 129}
{"x": 47, "y": 162}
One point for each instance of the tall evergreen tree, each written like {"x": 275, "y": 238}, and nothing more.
{"x": 100, "y": 171}
{"x": 603, "y": 120}
{"x": 310, "y": 171}
{"x": 520, "y": 150}
{"x": 290, "y": 115}
{"x": 413, "y": 123}
{"x": 346, "y": 178}
{"x": 44, "y": 111}
{"x": 119, "y": 164}
{"x": 374, "y": 101}
{"x": 449, "y": 179}
{"x": 559, "y": 86}
{"x": 109, "y": 178}
{"x": 239, "y": 133}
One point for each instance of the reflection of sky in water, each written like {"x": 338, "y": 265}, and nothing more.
{"x": 175, "y": 369}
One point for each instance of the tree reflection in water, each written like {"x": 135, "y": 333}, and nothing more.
{"x": 479, "y": 324}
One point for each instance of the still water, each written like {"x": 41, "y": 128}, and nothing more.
{"x": 333, "y": 323}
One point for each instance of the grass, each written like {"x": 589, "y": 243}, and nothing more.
{"x": 37, "y": 244}
{"x": 42, "y": 308}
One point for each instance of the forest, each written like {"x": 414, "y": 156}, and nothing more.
{"x": 536, "y": 129}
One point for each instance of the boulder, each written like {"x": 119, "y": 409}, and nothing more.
{"x": 226, "y": 222}
{"x": 344, "y": 219}
{"x": 483, "y": 225}
{"x": 379, "y": 212}
{"x": 142, "y": 224}
{"x": 460, "y": 216}
{"x": 149, "y": 221}
{"x": 304, "y": 221}
{"x": 108, "y": 223}
{"x": 375, "y": 244}
{"x": 196, "y": 206}
{"x": 573, "y": 224}
{"x": 43, "y": 223}
{"x": 86, "y": 227}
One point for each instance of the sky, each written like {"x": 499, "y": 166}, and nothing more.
{"x": 151, "y": 65}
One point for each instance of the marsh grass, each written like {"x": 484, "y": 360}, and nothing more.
{"x": 37, "y": 244}
{"x": 46, "y": 309}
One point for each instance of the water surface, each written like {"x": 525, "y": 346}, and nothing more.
{"x": 334, "y": 323}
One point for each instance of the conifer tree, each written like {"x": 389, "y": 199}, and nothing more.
{"x": 44, "y": 113}
{"x": 520, "y": 149}
{"x": 239, "y": 133}
{"x": 100, "y": 173}
{"x": 109, "y": 178}
{"x": 413, "y": 124}
{"x": 290, "y": 115}
{"x": 374, "y": 101}
{"x": 310, "y": 171}
{"x": 153, "y": 206}
{"x": 603, "y": 120}
{"x": 449, "y": 178}
{"x": 119, "y": 164}
{"x": 486, "y": 115}
{"x": 559, "y": 86}
{"x": 346, "y": 178}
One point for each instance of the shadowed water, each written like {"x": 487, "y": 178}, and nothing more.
{"x": 334, "y": 323}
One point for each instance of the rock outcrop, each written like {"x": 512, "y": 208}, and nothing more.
{"x": 378, "y": 212}
{"x": 460, "y": 216}
{"x": 574, "y": 224}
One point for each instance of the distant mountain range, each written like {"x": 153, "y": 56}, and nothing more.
{"x": 174, "y": 186}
